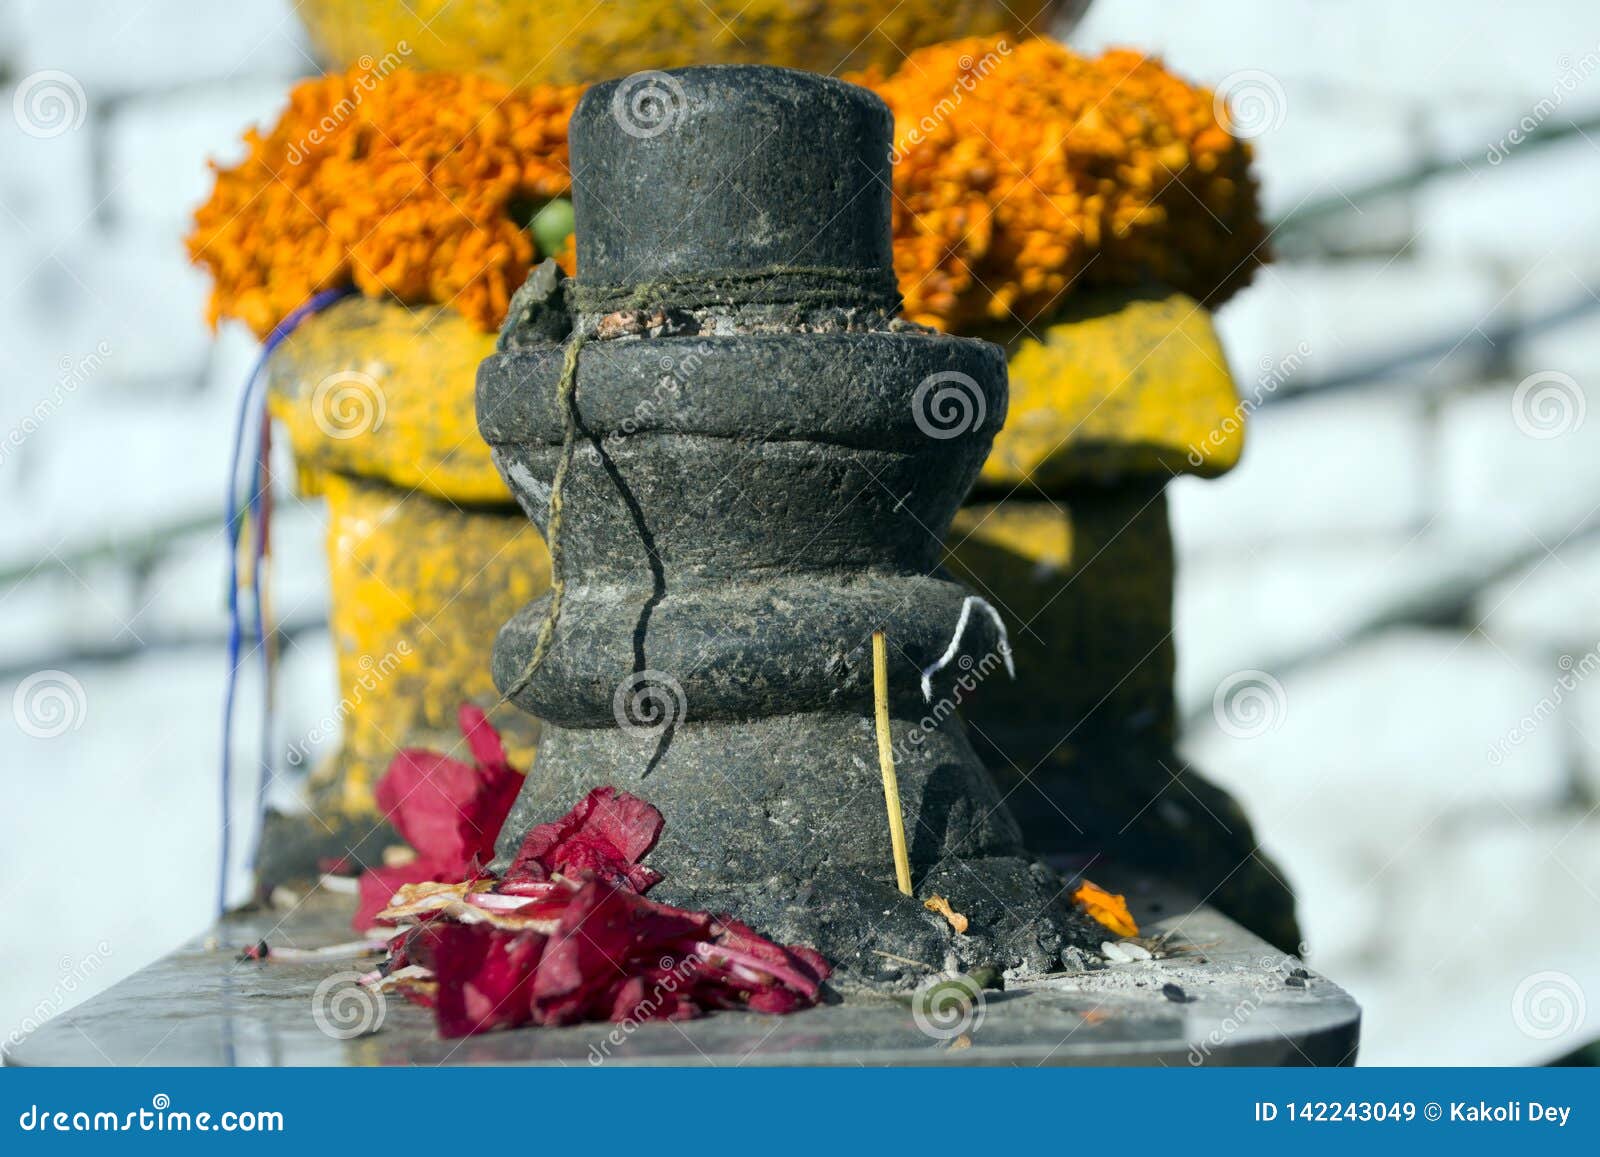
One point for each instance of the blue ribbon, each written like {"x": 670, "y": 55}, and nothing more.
{"x": 252, "y": 419}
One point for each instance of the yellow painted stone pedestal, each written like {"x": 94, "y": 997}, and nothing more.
{"x": 418, "y": 586}
{"x": 577, "y": 41}
{"x": 427, "y": 553}
{"x": 1067, "y": 534}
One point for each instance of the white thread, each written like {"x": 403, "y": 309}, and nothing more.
{"x": 954, "y": 648}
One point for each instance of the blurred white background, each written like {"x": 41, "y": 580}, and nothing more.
{"x": 1410, "y": 548}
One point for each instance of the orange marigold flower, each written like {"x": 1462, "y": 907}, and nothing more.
{"x": 1022, "y": 171}
{"x": 414, "y": 185}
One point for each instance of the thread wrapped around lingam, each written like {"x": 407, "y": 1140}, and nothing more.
{"x": 755, "y": 464}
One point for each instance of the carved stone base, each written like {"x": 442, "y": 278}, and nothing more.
{"x": 765, "y": 467}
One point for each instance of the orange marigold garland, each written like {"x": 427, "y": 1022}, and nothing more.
{"x": 416, "y": 185}
{"x": 1025, "y": 170}
{"x": 1021, "y": 172}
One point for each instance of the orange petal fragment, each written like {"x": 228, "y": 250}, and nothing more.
{"x": 1106, "y": 908}
{"x": 937, "y": 903}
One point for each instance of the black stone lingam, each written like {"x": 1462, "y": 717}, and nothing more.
{"x": 766, "y": 463}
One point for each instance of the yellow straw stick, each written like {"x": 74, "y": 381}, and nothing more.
{"x": 891, "y": 785}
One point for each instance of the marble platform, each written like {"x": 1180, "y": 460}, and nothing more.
{"x": 1236, "y": 1001}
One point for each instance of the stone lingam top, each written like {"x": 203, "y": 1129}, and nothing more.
{"x": 759, "y": 471}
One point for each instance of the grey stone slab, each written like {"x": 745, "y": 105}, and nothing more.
{"x": 1244, "y": 1005}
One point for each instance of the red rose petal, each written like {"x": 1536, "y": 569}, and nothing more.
{"x": 606, "y": 834}
{"x": 607, "y": 933}
{"x": 614, "y": 954}
{"x": 450, "y": 812}
{"x": 485, "y": 977}
{"x": 658, "y": 994}
{"x": 488, "y": 751}
{"x": 419, "y": 795}
{"x": 802, "y": 968}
